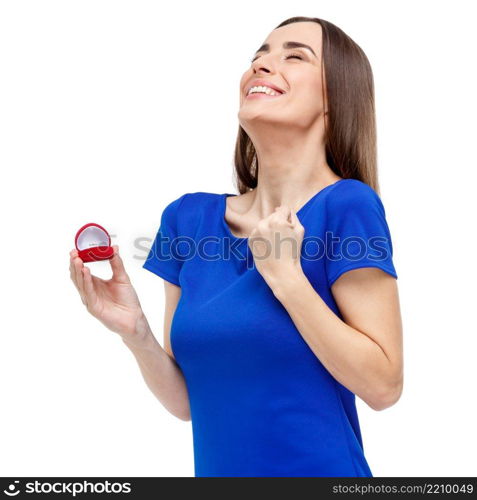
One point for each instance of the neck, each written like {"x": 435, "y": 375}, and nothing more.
{"x": 292, "y": 168}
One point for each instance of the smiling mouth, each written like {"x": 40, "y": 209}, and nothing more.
{"x": 263, "y": 95}
{"x": 256, "y": 96}
{"x": 264, "y": 90}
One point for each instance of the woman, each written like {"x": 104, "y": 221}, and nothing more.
{"x": 271, "y": 341}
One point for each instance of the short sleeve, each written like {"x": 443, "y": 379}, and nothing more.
{"x": 357, "y": 233}
{"x": 164, "y": 258}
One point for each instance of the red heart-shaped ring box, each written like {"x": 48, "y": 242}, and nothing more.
{"x": 93, "y": 243}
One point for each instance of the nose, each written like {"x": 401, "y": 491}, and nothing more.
{"x": 261, "y": 65}
{"x": 264, "y": 63}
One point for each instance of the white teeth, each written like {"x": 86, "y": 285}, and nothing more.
{"x": 262, "y": 89}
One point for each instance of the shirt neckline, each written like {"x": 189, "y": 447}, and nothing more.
{"x": 305, "y": 205}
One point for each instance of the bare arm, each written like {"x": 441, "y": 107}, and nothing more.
{"x": 115, "y": 304}
{"x": 158, "y": 366}
{"x": 364, "y": 350}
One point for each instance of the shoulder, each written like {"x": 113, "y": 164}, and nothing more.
{"x": 190, "y": 200}
{"x": 352, "y": 195}
{"x": 187, "y": 207}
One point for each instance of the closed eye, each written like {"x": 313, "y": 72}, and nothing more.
{"x": 294, "y": 55}
{"x": 297, "y": 56}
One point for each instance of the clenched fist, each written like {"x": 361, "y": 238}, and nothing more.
{"x": 276, "y": 245}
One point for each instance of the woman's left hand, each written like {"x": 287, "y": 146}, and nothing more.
{"x": 276, "y": 245}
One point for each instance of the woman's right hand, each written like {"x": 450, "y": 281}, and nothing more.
{"x": 114, "y": 302}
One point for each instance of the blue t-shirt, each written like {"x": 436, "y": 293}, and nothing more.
{"x": 262, "y": 404}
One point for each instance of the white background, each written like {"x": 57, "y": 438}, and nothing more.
{"x": 112, "y": 109}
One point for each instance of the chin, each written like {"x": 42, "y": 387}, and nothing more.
{"x": 250, "y": 115}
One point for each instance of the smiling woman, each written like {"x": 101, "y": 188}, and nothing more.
{"x": 342, "y": 76}
{"x": 266, "y": 359}
{"x": 274, "y": 354}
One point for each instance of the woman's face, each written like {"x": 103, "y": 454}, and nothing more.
{"x": 295, "y": 70}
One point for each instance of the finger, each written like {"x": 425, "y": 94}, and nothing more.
{"x": 78, "y": 265}
{"x": 294, "y": 218}
{"x": 90, "y": 292}
{"x": 72, "y": 270}
{"x": 284, "y": 210}
{"x": 296, "y": 222}
{"x": 117, "y": 266}
{"x": 282, "y": 216}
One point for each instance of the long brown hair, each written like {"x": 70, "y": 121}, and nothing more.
{"x": 350, "y": 137}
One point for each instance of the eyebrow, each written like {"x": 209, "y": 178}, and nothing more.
{"x": 286, "y": 45}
